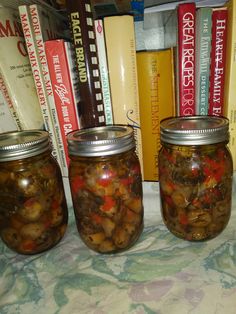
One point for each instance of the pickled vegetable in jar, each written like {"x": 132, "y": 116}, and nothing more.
{"x": 33, "y": 209}
{"x": 195, "y": 176}
{"x": 106, "y": 187}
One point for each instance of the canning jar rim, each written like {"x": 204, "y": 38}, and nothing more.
{"x": 16, "y": 145}
{"x": 101, "y": 141}
{"x": 194, "y": 130}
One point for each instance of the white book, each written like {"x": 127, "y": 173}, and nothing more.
{"x": 38, "y": 78}
{"x": 122, "y": 64}
{"x": 203, "y": 57}
{"x": 16, "y": 71}
{"x": 6, "y": 101}
{"x": 7, "y": 122}
{"x": 47, "y": 24}
{"x": 102, "y": 59}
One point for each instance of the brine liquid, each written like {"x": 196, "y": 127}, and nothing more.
{"x": 33, "y": 210}
{"x": 107, "y": 199}
{"x": 196, "y": 188}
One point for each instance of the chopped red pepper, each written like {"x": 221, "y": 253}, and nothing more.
{"x": 104, "y": 182}
{"x": 168, "y": 156}
{"x": 55, "y": 204}
{"x": 136, "y": 169}
{"x": 183, "y": 219}
{"x": 207, "y": 198}
{"x": 219, "y": 173}
{"x": 207, "y": 171}
{"x": 168, "y": 200}
{"x": 129, "y": 214}
{"x": 196, "y": 202}
{"x": 30, "y": 202}
{"x": 195, "y": 171}
{"x": 97, "y": 218}
{"x": 127, "y": 181}
{"x": 107, "y": 177}
{"x": 47, "y": 224}
{"x": 109, "y": 203}
{"x": 28, "y": 245}
{"x": 172, "y": 185}
{"x": 214, "y": 169}
{"x": 77, "y": 183}
{"x": 220, "y": 154}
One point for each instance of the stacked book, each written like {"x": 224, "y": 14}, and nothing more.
{"x": 38, "y": 81}
{"x": 203, "y": 35}
{"x": 86, "y": 69}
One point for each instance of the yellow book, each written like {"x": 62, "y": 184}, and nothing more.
{"x": 122, "y": 67}
{"x": 230, "y": 78}
{"x": 157, "y": 102}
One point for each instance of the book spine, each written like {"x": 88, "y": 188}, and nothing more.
{"x": 186, "y": 15}
{"x": 7, "y": 121}
{"x": 122, "y": 65}
{"x": 218, "y": 60}
{"x": 39, "y": 40}
{"x": 229, "y": 109}
{"x": 203, "y": 50}
{"x": 6, "y": 99}
{"x": 62, "y": 89}
{"x": 16, "y": 70}
{"x": 156, "y": 87}
{"x": 102, "y": 58}
{"x": 74, "y": 80}
{"x": 83, "y": 37}
{"x": 38, "y": 80}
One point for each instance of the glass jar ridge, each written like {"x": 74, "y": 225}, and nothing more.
{"x": 106, "y": 188}
{"x": 195, "y": 179}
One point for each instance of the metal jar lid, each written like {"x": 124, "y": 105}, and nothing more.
{"x": 194, "y": 130}
{"x": 101, "y": 141}
{"x": 23, "y": 144}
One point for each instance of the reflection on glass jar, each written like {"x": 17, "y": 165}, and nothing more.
{"x": 195, "y": 176}
{"x": 106, "y": 187}
{"x": 33, "y": 210}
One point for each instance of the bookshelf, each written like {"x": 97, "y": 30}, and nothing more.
{"x": 160, "y": 274}
{"x": 149, "y": 36}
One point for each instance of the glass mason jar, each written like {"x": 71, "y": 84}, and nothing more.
{"x": 33, "y": 210}
{"x": 106, "y": 187}
{"x": 195, "y": 176}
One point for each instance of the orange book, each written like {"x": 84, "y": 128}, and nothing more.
{"x": 157, "y": 101}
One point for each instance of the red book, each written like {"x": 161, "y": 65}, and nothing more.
{"x": 186, "y": 15}
{"x": 218, "y": 60}
{"x": 60, "y": 71}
